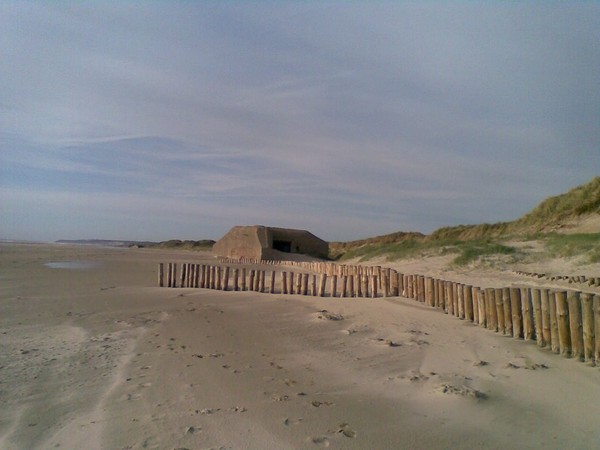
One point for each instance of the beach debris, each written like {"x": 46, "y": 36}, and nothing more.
{"x": 463, "y": 391}
{"x": 324, "y": 314}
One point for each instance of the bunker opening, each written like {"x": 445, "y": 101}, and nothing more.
{"x": 282, "y": 246}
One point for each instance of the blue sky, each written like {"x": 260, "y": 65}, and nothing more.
{"x": 159, "y": 120}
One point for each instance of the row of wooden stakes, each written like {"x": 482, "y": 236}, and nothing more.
{"x": 582, "y": 279}
{"x": 565, "y": 321}
{"x": 226, "y": 278}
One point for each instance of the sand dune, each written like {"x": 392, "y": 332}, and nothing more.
{"x": 100, "y": 358}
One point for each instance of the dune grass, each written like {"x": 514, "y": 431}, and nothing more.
{"x": 467, "y": 251}
{"x": 567, "y": 245}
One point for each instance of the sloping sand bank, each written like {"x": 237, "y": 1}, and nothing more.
{"x": 97, "y": 357}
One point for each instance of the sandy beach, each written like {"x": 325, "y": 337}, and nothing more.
{"x": 94, "y": 355}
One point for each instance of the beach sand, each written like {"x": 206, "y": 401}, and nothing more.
{"x": 93, "y": 355}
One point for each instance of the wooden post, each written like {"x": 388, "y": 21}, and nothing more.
{"x": 344, "y": 292}
{"x": 536, "y": 301}
{"x": 313, "y": 285}
{"x": 244, "y": 287}
{"x": 351, "y": 291}
{"x": 272, "y": 283}
{"x": 545, "y": 314}
{"x": 554, "y": 339}
{"x": 596, "y": 307}
{"x": 527, "y": 310}
{"x": 263, "y": 276}
{"x": 204, "y": 280}
{"x": 219, "y": 276}
{"x": 385, "y": 283}
{"x": 562, "y": 314}
{"x": 482, "y": 308}
{"x": 298, "y": 283}
{"x": 468, "y": 299}
{"x": 183, "y": 273}
{"x": 322, "y": 283}
{"x": 251, "y": 277}
{"x": 284, "y": 286}
{"x": 334, "y": 278}
{"x": 515, "y": 308}
{"x": 364, "y": 285}
{"x": 460, "y": 300}
{"x": 291, "y": 283}
{"x": 305, "y": 284}
{"x": 575, "y": 324}
{"x": 257, "y": 280}
{"x": 490, "y": 305}
{"x": 588, "y": 327}
{"x": 429, "y": 299}
{"x": 499, "y": 310}
{"x": 198, "y": 275}
{"x": 374, "y": 286}
{"x": 455, "y": 298}
{"x": 450, "y": 295}
{"x": 507, "y": 311}
{"x": 160, "y": 275}
{"x": 475, "y": 304}
{"x": 236, "y": 276}
{"x": 226, "y": 279}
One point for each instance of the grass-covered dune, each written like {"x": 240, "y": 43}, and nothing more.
{"x": 548, "y": 223}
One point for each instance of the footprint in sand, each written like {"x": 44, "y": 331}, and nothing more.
{"x": 289, "y": 422}
{"x": 321, "y": 441}
{"x": 346, "y": 430}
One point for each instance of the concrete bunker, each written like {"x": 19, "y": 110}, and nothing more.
{"x": 270, "y": 243}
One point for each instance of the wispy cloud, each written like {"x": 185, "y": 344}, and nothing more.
{"x": 350, "y": 119}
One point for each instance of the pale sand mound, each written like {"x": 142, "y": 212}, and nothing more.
{"x": 99, "y": 358}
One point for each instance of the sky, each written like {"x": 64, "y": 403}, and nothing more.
{"x": 180, "y": 119}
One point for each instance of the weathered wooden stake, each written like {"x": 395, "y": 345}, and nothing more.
{"x": 298, "y": 283}
{"x": 596, "y": 306}
{"x": 554, "y": 338}
{"x": 545, "y": 313}
{"x": 334, "y": 285}
{"x": 575, "y": 324}
{"x": 374, "y": 286}
{"x": 291, "y": 284}
{"x": 226, "y": 279}
{"x": 475, "y": 304}
{"x": 515, "y": 308}
{"x": 587, "y": 308}
{"x": 507, "y": 311}
{"x": 236, "y": 276}
{"x": 219, "y": 278}
{"x": 450, "y": 297}
{"x": 536, "y": 301}
{"x": 284, "y": 286}
{"x": 305, "y": 284}
{"x": 468, "y": 299}
{"x": 272, "y": 283}
{"x": 562, "y": 314}
{"x": 344, "y": 292}
{"x": 499, "y": 305}
{"x": 313, "y": 285}
{"x": 364, "y": 285}
{"x": 183, "y": 272}
{"x": 322, "y": 283}
{"x": 244, "y": 286}
{"x": 527, "y": 312}
{"x": 160, "y": 275}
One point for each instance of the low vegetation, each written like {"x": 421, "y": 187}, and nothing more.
{"x": 473, "y": 243}
{"x": 561, "y": 245}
